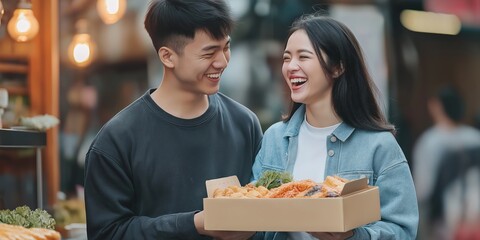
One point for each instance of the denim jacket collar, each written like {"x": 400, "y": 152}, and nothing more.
{"x": 293, "y": 125}
{"x": 342, "y": 132}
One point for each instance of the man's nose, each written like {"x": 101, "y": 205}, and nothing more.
{"x": 221, "y": 61}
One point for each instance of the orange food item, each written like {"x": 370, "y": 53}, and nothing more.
{"x": 48, "y": 233}
{"x": 291, "y": 189}
{"x": 331, "y": 187}
{"x": 248, "y": 191}
{"x": 12, "y": 232}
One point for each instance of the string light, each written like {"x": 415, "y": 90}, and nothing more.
{"x": 2, "y": 11}
{"x": 23, "y": 26}
{"x": 111, "y": 11}
{"x": 430, "y": 22}
{"x": 82, "y": 48}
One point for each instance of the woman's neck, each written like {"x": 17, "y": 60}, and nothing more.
{"x": 321, "y": 114}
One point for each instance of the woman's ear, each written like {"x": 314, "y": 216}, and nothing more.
{"x": 338, "y": 70}
{"x": 167, "y": 56}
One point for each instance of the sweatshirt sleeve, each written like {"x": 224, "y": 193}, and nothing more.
{"x": 109, "y": 197}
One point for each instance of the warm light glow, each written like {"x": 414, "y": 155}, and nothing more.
{"x": 23, "y": 26}
{"x": 2, "y": 11}
{"x": 81, "y": 50}
{"x": 429, "y": 22}
{"x": 112, "y": 6}
{"x": 111, "y": 11}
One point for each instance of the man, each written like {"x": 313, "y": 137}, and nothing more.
{"x": 146, "y": 169}
{"x": 448, "y": 134}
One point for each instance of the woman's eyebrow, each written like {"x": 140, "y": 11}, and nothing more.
{"x": 299, "y": 51}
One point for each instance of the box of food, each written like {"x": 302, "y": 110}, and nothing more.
{"x": 357, "y": 205}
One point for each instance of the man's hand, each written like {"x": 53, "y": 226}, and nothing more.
{"x": 332, "y": 236}
{"x": 220, "y": 235}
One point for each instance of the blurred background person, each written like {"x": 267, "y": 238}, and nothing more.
{"x": 448, "y": 134}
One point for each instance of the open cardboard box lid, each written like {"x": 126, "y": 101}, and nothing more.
{"x": 359, "y": 204}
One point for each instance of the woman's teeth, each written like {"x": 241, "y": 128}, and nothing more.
{"x": 298, "y": 81}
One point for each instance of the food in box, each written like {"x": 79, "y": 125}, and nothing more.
{"x": 356, "y": 205}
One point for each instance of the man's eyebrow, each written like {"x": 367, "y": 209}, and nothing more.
{"x": 214, "y": 47}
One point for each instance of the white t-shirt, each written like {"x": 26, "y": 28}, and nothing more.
{"x": 311, "y": 160}
{"x": 312, "y": 152}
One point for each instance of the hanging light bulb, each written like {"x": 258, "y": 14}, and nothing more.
{"x": 82, "y": 48}
{"x": 23, "y": 26}
{"x": 111, "y": 11}
{"x": 2, "y": 11}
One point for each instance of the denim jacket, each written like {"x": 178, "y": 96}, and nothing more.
{"x": 352, "y": 153}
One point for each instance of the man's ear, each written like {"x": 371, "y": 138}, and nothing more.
{"x": 167, "y": 56}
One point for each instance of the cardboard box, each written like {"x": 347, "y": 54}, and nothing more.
{"x": 358, "y": 205}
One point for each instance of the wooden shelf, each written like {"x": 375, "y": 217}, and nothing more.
{"x": 13, "y": 68}
{"x": 15, "y": 57}
{"x": 22, "y": 138}
{"x": 11, "y": 138}
{"x": 15, "y": 90}
{"x": 30, "y": 70}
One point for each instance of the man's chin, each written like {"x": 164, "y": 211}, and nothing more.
{"x": 212, "y": 91}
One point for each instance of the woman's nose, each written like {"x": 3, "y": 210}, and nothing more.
{"x": 292, "y": 65}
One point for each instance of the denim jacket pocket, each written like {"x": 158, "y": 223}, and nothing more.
{"x": 352, "y": 175}
{"x": 276, "y": 168}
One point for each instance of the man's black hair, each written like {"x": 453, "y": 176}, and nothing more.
{"x": 452, "y": 103}
{"x": 172, "y": 23}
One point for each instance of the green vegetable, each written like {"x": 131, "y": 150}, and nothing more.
{"x": 25, "y": 217}
{"x": 272, "y": 179}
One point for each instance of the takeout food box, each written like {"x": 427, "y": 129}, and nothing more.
{"x": 358, "y": 204}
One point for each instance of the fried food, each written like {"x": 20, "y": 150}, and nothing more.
{"x": 9, "y": 232}
{"x": 291, "y": 189}
{"x": 331, "y": 187}
{"x": 248, "y": 191}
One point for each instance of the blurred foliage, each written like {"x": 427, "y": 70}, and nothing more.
{"x": 25, "y": 217}
{"x": 69, "y": 211}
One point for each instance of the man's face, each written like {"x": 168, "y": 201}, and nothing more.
{"x": 199, "y": 67}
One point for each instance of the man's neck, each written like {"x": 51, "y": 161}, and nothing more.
{"x": 447, "y": 124}
{"x": 181, "y": 104}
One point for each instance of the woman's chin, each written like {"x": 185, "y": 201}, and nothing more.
{"x": 297, "y": 99}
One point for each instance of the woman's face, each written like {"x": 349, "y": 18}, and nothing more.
{"x": 302, "y": 71}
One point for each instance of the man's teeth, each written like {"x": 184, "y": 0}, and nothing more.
{"x": 298, "y": 80}
{"x": 216, "y": 75}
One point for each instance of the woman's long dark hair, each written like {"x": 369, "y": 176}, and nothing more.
{"x": 353, "y": 93}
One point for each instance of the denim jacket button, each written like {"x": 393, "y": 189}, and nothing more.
{"x": 331, "y": 153}
{"x": 333, "y": 139}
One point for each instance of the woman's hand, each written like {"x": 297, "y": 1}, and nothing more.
{"x": 332, "y": 236}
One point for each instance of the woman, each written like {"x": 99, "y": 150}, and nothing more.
{"x": 335, "y": 127}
